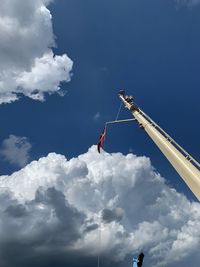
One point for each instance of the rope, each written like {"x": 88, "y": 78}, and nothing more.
{"x": 99, "y": 241}
{"x": 118, "y": 121}
{"x": 100, "y": 227}
{"x": 118, "y": 111}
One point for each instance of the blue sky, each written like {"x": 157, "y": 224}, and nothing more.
{"x": 149, "y": 48}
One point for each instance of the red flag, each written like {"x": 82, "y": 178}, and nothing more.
{"x": 101, "y": 140}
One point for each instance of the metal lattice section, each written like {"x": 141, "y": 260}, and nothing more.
{"x": 170, "y": 139}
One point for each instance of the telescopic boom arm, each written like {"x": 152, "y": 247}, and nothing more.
{"x": 186, "y": 166}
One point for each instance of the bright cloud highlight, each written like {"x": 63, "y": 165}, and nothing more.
{"x": 28, "y": 65}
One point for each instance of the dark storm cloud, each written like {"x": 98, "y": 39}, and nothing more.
{"x": 69, "y": 219}
{"x": 91, "y": 227}
{"x": 40, "y": 229}
{"x": 109, "y": 215}
{"x": 17, "y": 210}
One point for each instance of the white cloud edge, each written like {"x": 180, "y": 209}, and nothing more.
{"x": 166, "y": 223}
{"x": 16, "y": 150}
{"x": 28, "y": 66}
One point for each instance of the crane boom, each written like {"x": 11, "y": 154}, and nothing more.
{"x": 186, "y": 166}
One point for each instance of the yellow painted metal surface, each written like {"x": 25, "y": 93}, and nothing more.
{"x": 189, "y": 173}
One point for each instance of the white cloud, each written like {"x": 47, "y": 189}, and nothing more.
{"x": 96, "y": 116}
{"x": 26, "y": 39}
{"x": 39, "y": 77}
{"x": 138, "y": 210}
{"x": 15, "y": 149}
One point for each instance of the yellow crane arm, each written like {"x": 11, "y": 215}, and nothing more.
{"x": 186, "y": 166}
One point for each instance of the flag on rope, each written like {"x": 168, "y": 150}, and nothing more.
{"x": 101, "y": 140}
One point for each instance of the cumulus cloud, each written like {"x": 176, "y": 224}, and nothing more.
{"x": 15, "y": 149}
{"x": 28, "y": 65}
{"x": 61, "y": 205}
{"x": 109, "y": 215}
{"x": 96, "y": 116}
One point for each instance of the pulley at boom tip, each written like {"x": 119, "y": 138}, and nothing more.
{"x": 128, "y": 101}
